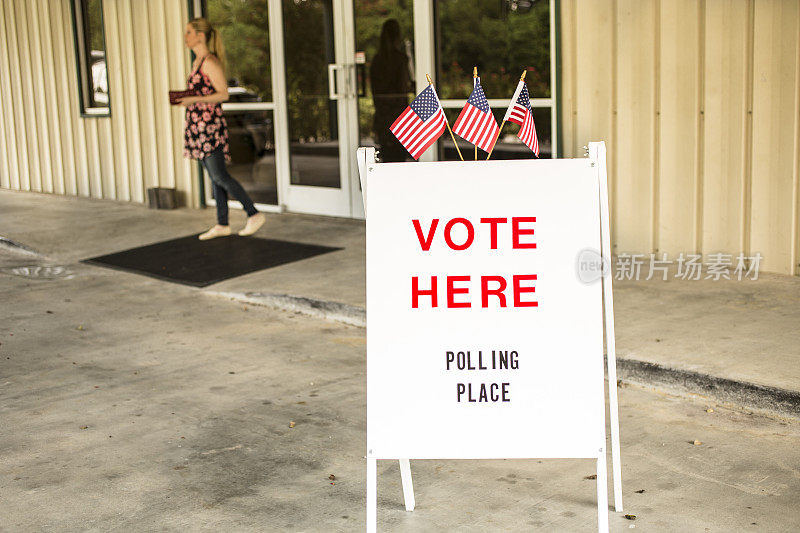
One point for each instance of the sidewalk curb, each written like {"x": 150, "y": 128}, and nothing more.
{"x": 742, "y": 393}
{"x": 347, "y": 314}
{"x": 783, "y": 401}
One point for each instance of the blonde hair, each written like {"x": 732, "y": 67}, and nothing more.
{"x": 213, "y": 38}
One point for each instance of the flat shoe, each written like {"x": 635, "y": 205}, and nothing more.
{"x": 214, "y": 232}
{"x": 253, "y": 223}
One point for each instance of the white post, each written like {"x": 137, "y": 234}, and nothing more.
{"x": 425, "y": 55}
{"x": 372, "y": 495}
{"x": 408, "y": 486}
{"x": 597, "y": 153}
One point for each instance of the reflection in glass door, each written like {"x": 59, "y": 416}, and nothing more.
{"x": 385, "y": 44}
{"x": 312, "y": 77}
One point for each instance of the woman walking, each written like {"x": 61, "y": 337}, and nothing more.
{"x": 206, "y": 134}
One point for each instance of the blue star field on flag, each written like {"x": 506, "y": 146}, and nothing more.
{"x": 524, "y": 100}
{"x": 420, "y": 124}
{"x": 425, "y": 104}
{"x": 478, "y": 99}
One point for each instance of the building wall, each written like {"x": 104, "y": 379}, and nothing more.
{"x": 48, "y": 147}
{"x": 699, "y": 104}
{"x": 698, "y": 101}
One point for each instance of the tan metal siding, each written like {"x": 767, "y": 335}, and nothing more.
{"x": 119, "y": 130}
{"x": 725, "y": 112}
{"x": 796, "y": 173}
{"x": 678, "y": 115}
{"x": 45, "y": 174}
{"x": 593, "y": 28}
{"x": 29, "y": 97}
{"x": 699, "y": 104}
{"x": 163, "y": 121}
{"x": 49, "y": 86}
{"x": 48, "y": 146}
{"x": 65, "y": 96}
{"x": 635, "y": 125}
{"x": 20, "y": 180}
{"x": 126, "y": 88}
{"x": 774, "y": 140}
{"x": 8, "y": 163}
{"x": 184, "y": 172}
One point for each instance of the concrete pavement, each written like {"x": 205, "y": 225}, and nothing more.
{"x": 129, "y": 403}
{"x": 735, "y": 341}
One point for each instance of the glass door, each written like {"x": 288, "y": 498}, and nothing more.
{"x": 312, "y": 80}
{"x": 249, "y": 112}
{"x": 320, "y": 107}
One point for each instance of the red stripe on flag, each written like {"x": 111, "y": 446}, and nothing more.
{"x": 527, "y": 133}
{"x": 429, "y": 134}
{"x": 476, "y": 127}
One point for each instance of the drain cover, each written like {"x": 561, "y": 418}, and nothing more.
{"x": 16, "y": 259}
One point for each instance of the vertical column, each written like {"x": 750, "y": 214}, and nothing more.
{"x": 774, "y": 151}
{"x": 425, "y": 54}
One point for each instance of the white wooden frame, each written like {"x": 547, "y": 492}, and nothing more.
{"x": 597, "y": 155}
{"x": 302, "y": 198}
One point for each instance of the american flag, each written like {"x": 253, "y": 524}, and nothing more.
{"x": 520, "y": 112}
{"x": 420, "y": 124}
{"x": 476, "y": 123}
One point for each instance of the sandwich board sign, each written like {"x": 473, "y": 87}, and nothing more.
{"x": 484, "y": 335}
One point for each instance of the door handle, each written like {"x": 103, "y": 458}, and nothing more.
{"x": 333, "y": 94}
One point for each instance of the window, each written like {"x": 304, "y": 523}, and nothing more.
{"x": 502, "y": 38}
{"x": 244, "y": 28}
{"x": 90, "y": 52}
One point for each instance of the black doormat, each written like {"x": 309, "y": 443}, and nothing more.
{"x": 191, "y": 261}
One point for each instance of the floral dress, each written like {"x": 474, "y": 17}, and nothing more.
{"x": 205, "y": 128}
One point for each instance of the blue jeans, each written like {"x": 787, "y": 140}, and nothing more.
{"x": 225, "y": 185}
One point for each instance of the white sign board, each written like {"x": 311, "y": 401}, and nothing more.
{"x": 482, "y": 339}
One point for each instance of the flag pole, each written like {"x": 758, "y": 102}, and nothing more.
{"x": 474, "y": 79}
{"x": 445, "y": 121}
{"x": 521, "y": 78}
{"x": 495, "y": 140}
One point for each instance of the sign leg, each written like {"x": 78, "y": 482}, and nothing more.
{"x": 597, "y": 152}
{"x": 602, "y": 495}
{"x": 616, "y": 465}
{"x": 408, "y": 486}
{"x": 372, "y": 495}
